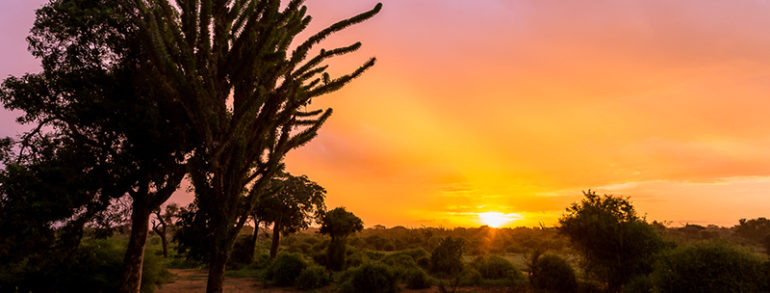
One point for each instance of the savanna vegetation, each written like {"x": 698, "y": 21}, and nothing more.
{"x": 135, "y": 96}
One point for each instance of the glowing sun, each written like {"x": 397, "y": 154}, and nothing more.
{"x": 497, "y": 219}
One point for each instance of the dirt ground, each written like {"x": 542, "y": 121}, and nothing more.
{"x": 194, "y": 280}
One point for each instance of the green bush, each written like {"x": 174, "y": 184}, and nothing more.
{"x": 591, "y": 286}
{"x": 550, "y": 273}
{"x": 95, "y": 266}
{"x": 470, "y": 277}
{"x": 286, "y": 268}
{"x": 240, "y": 254}
{"x": 313, "y": 277}
{"x": 371, "y": 277}
{"x": 401, "y": 264}
{"x": 446, "y": 259}
{"x": 389, "y": 246}
{"x": 373, "y": 255}
{"x": 416, "y": 278}
{"x": 355, "y": 257}
{"x": 640, "y": 284}
{"x": 710, "y": 267}
{"x": 494, "y": 267}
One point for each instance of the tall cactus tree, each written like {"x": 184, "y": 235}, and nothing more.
{"x": 229, "y": 63}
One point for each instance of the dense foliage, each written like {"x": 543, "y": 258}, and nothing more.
{"x": 95, "y": 266}
{"x": 286, "y": 268}
{"x": 552, "y": 274}
{"x": 616, "y": 244}
{"x": 709, "y": 267}
{"x": 446, "y": 258}
{"x": 313, "y": 277}
{"x": 371, "y": 277}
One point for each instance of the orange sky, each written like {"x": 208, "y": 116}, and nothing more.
{"x": 516, "y": 106}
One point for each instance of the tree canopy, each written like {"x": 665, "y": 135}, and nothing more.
{"x": 245, "y": 93}
{"x": 297, "y": 203}
{"x": 339, "y": 223}
{"x": 96, "y": 93}
{"x": 617, "y": 244}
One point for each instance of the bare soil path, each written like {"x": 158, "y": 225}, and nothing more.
{"x": 194, "y": 280}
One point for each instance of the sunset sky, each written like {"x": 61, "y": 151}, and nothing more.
{"x": 515, "y": 107}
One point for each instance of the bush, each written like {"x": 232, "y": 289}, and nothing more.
{"x": 416, "y": 278}
{"x": 240, "y": 254}
{"x": 373, "y": 255}
{"x": 95, "y": 266}
{"x": 470, "y": 277}
{"x": 446, "y": 259}
{"x": 401, "y": 264}
{"x": 550, "y": 273}
{"x": 286, "y": 268}
{"x": 371, "y": 277}
{"x": 313, "y": 277}
{"x": 711, "y": 267}
{"x": 640, "y": 284}
{"x": 591, "y": 286}
{"x": 494, "y": 267}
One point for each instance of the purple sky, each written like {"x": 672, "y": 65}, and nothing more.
{"x": 16, "y": 18}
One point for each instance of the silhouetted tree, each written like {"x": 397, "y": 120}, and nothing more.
{"x": 255, "y": 216}
{"x": 757, "y": 230}
{"x": 339, "y": 224}
{"x": 97, "y": 89}
{"x": 616, "y": 243}
{"x": 46, "y": 198}
{"x": 162, "y": 222}
{"x": 446, "y": 258}
{"x": 190, "y": 233}
{"x": 293, "y": 208}
{"x": 228, "y": 64}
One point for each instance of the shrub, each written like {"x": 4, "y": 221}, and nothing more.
{"x": 354, "y": 258}
{"x": 494, "y": 267}
{"x": 710, "y": 267}
{"x": 371, "y": 277}
{"x": 286, "y": 268}
{"x": 423, "y": 262}
{"x": 400, "y": 263}
{"x": 446, "y": 259}
{"x": 313, "y": 277}
{"x": 95, "y": 266}
{"x": 240, "y": 254}
{"x": 374, "y": 255}
{"x": 416, "y": 278}
{"x": 640, "y": 284}
{"x": 416, "y": 253}
{"x": 550, "y": 273}
{"x": 470, "y": 277}
{"x": 591, "y": 286}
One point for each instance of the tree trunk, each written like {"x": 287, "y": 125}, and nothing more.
{"x": 276, "y": 240}
{"x": 164, "y": 242}
{"x": 253, "y": 244}
{"x": 131, "y": 280}
{"x": 217, "y": 264}
{"x": 223, "y": 240}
